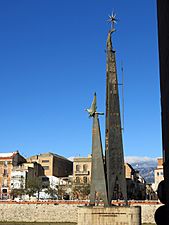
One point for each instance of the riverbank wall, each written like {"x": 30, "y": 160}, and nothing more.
{"x": 59, "y": 211}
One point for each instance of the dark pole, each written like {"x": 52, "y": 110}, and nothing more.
{"x": 162, "y": 214}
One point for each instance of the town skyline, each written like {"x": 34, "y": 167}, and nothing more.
{"x": 51, "y": 67}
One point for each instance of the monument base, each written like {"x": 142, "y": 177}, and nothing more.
{"x": 116, "y": 215}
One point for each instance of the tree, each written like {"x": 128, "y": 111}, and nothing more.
{"x": 33, "y": 185}
{"x": 61, "y": 191}
{"x": 81, "y": 191}
{"x": 51, "y": 192}
{"x": 17, "y": 193}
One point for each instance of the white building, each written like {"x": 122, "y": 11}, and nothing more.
{"x": 54, "y": 181}
{"x": 158, "y": 173}
{"x": 19, "y": 174}
{"x": 18, "y": 179}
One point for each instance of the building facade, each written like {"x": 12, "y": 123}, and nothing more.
{"x": 7, "y": 162}
{"x": 158, "y": 173}
{"x": 21, "y": 173}
{"x": 136, "y": 185}
{"x": 82, "y": 170}
{"x": 53, "y": 164}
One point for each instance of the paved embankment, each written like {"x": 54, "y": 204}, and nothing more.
{"x": 58, "y": 211}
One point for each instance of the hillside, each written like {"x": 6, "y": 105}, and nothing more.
{"x": 144, "y": 165}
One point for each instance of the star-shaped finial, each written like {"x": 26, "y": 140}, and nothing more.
{"x": 112, "y": 19}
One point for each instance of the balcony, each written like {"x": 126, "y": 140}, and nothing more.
{"x": 82, "y": 173}
{"x": 5, "y": 175}
{"x": 5, "y": 186}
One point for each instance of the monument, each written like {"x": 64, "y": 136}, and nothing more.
{"x": 108, "y": 178}
{"x": 116, "y": 183}
{"x": 98, "y": 182}
{"x": 107, "y": 175}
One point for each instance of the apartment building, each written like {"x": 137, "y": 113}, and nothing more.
{"x": 21, "y": 173}
{"x": 136, "y": 185}
{"x": 158, "y": 173}
{"x": 82, "y": 170}
{"x": 7, "y": 162}
{"x": 53, "y": 164}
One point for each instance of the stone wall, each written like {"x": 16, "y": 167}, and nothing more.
{"x": 50, "y": 212}
{"x": 38, "y": 213}
{"x": 148, "y": 212}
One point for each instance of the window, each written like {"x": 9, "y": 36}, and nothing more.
{"x": 85, "y": 180}
{"x": 5, "y": 163}
{"x": 45, "y": 161}
{"x": 78, "y": 180}
{"x": 85, "y": 167}
{"x": 5, "y": 172}
{"x": 77, "y": 168}
{"x": 45, "y": 179}
{"x": 46, "y": 167}
{"x": 4, "y": 191}
{"x": 157, "y": 173}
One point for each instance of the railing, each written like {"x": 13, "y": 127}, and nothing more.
{"x": 81, "y": 172}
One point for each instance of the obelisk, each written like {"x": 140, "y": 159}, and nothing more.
{"x": 108, "y": 179}
{"x": 116, "y": 183}
{"x": 98, "y": 180}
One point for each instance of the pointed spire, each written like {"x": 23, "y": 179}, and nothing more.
{"x": 98, "y": 178}
{"x": 116, "y": 183}
{"x": 98, "y": 187}
{"x": 109, "y": 42}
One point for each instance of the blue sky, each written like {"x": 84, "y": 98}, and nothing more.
{"x": 52, "y": 60}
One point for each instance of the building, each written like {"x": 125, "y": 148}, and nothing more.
{"x": 158, "y": 173}
{"x": 82, "y": 170}
{"x": 21, "y": 173}
{"x": 150, "y": 193}
{"x": 7, "y": 162}
{"x": 136, "y": 185}
{"x": 53, "y": 165}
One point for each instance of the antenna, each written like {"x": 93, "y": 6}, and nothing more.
{"x": 122, "y": 70}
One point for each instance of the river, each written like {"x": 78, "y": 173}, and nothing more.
{"x": 22, "y": 223}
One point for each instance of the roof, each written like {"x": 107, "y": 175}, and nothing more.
{"x": 8, "y": 155}
{"x": 82, "y": 159}
{"x": 50, "y": 153}
{"x": 127, "y": 164}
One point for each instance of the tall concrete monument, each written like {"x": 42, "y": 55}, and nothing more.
{"x": 107, "y": 177}
{"x": 98, "y": 182}
{"x": 116, "y": 183}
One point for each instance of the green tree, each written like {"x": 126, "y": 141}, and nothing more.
{"x": 34, "y": 185}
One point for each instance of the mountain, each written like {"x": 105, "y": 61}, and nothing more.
{"x": 145, "y": 166}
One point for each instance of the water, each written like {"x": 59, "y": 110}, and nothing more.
{"x": 24, "y": 223}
